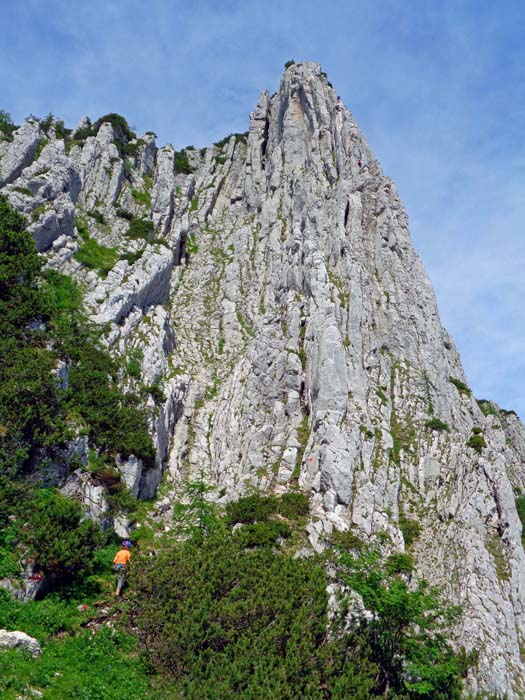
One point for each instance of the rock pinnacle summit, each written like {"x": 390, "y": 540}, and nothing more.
{"x": 273, "y": 297}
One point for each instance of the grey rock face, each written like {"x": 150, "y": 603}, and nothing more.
{"x": 20, "y": 152}
{"x": 79, "y": 485}
{"x": 289, "y": 338}
{"x": 47, "y": 192}
{"x": 101, "y": 169}
{"x": 141, "y": 285}
{"x": 310, "y": 337}
{"x": 146, "y": 164}
{"x": 13, "y": 640}
{"x": 25, "y": 589}
{"x": 163, "y": 191}
{"x": 131, "y": 470}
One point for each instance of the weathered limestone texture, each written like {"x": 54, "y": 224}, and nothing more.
{"x": 288, "y": 337}
{"x": 19, "y": 640}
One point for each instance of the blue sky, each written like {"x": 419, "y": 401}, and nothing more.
{"x": 437, "y": 87}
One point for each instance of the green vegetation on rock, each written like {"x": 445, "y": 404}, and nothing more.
{"x": 143, "y": 198}
{"x": 181, "y": 163}
{"x": 476, "y": 440}
{"x": 460, "y": 386}
{"x": 91, "y": 253}
{"x": 6, "y": 125}
{"x": 437, "y": 424}
{"x": 205, "y": 604}
{"x": 40, "y": 325}
{"x": 140, "y": 228}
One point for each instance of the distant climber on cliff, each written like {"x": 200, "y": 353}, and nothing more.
{"x": 360, "y": 163}
{"x": 120, "y": 562}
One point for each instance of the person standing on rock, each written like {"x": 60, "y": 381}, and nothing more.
{"x": 120, "y": 562}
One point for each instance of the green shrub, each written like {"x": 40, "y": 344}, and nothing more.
{"x": 64, "y": 299}
{"x": 123, "y": 214}
{"x": 98, "y": 216}
{"x": 132, "y": 257}
{"x": 235, "y": 622}
{"x": 134, "y": 366}
{"x": 60, "y": 131}
{"x": 410, "y": 529}
{"x": 9, "y": 564}
{"x": 477, "y": 442}
{"x": 82, "y": 227}
{"x": 191, "y": 246}
{"x": 242, "y": 138}
{"x": 40, "y": 322}
{"x": 406, "y": 631}
{"x": 97, "y": 257}
{"x": 123, "y": 133}
{"x": 347, "y": 540}
{"x": 61, "y": 541}
{"x": 29, "y": 399}
{"x": 181, "y": 163}
{"x": 224, "y": 620}
{"x": 101, "y": 665}
{"x": 289, "y": 63}
{"x": 46, "y": 122}
{"x": 294, "y": 505}
{"x": 239, "y": 138}
{"x": 132, "y": 150}
{"x": 262, "y": 534}
{"x": 460, "y": 386}
{"x": 399, "y": 563}
{"x": 40, "y": 619}
{"x": 487, "y": 408}
{"x": 140, "y": 228}
{"x": 50, "y": 528}
{"x": 156, "y": 392}
{"x": 143, "y": 198}
{"x": 6, "y": 125}
{"x": 196, "y": 516}
{"x": 116, "y": 422}
{"x": 437, "y": 424}
{"x": 476, "y": 430}
{"x": 251, "y": 509}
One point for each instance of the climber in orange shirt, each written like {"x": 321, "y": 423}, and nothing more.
{"x": 120, "y": 562}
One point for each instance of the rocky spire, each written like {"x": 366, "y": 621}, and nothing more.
{"x": 278, "y": 302}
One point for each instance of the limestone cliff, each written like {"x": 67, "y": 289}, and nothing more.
{"x": 291, "y": 338}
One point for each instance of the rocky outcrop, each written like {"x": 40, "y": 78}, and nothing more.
{"x": 101, "y": 168}
{"x": 47, "y": 192}
{"x": 81, "y": 486}
{"x": 313, "y": 358}
{"x": 20, "y": 152}
{"x": 288, "y": 337}
{"x": 19, "y": 640}
{"x": 163, "y": 191}
{"x": 141, "y": 285}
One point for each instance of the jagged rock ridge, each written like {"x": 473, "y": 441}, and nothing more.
{"x": 278, "y": 303}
